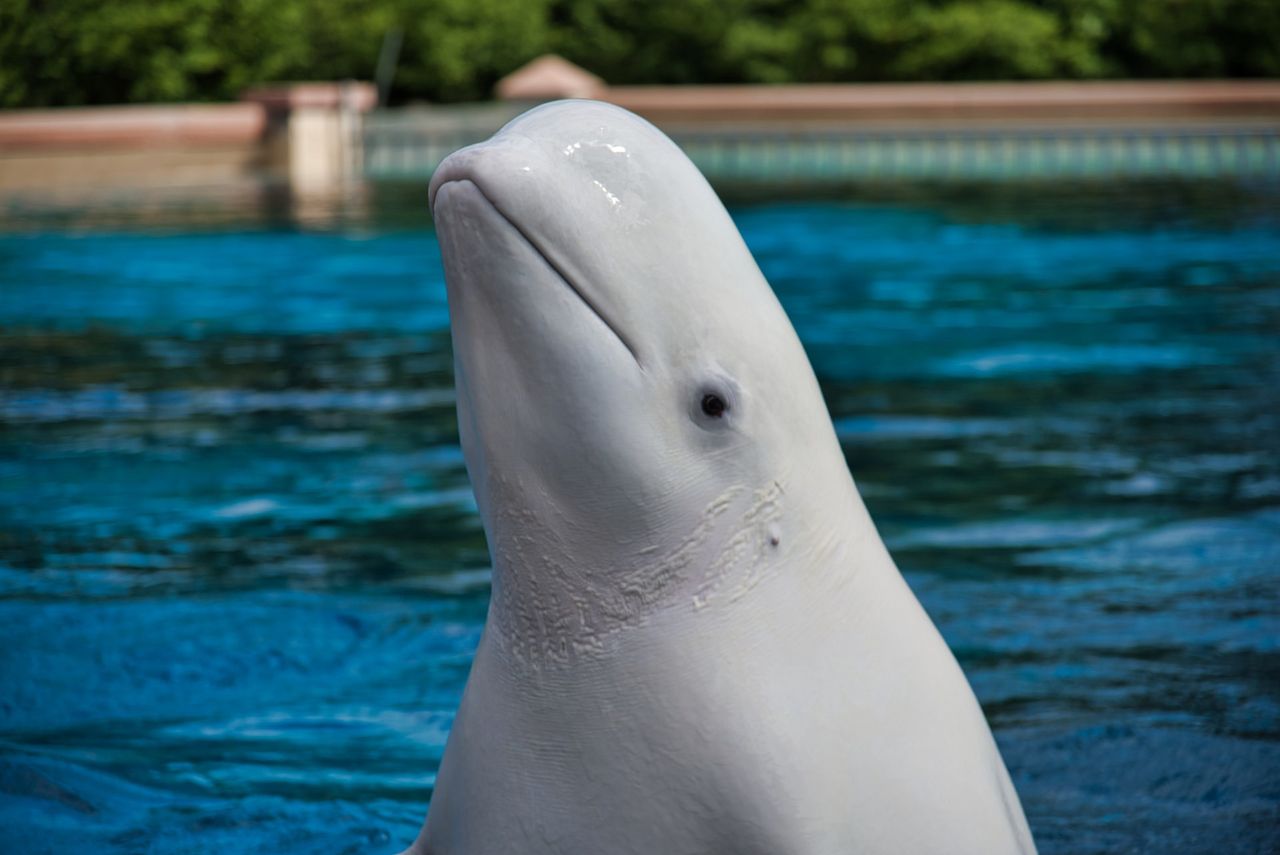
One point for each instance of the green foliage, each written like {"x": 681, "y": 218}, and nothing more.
{"x": 88, "y": 51}
{"x": 56, "y": 52}
{"x": 655, "y": 42}
{"x": 457, "y": 49}
{"x": 853, "y": 39}
{"x": 1199, "y": 38}
{"x": 988, "y": 39}
{"x": 91, "y": 52}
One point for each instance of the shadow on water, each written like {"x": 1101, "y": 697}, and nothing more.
{"x": 241, "y": 573}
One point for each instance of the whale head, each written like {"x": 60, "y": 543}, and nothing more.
{"x": 626, "y": 377}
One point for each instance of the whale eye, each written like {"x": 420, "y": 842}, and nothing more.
{"x": 713, "y": 405}
{"x": 716, "y": 403}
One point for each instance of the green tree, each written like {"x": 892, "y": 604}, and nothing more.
{"x": 455, "y": 50}
{"x": 67, "y": 52}
{"x": 92, "y": 52}
{"x": 678, "y": 41}
{"x": 990, "y": 40}
{"x": 851, "y": 39}
{"x": 89, "y": 52}
{"x": 1197, "y": 38}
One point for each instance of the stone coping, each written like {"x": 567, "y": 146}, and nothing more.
{"x": 145, "y": 125}
{"x": 168, "y": 125}
{"x": 1025, "y": 101}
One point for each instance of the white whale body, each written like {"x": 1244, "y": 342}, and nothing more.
{"x": 697, "y": 642}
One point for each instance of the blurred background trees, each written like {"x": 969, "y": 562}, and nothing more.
{"x": 92, "y": 52}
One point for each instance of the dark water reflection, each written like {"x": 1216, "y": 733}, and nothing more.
{"x": 241, "y": 575}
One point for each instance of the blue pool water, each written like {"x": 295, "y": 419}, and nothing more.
{"x": 241, "y": 574}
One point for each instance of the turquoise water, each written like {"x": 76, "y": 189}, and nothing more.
{"x": 241, "y": 574}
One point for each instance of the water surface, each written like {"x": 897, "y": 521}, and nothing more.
{"x": 241, "y": 573}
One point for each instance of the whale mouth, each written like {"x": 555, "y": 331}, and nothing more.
{"x": 540, "y": 251}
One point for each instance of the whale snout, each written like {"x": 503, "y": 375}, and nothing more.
{"x": 621, "y": 215}
{"x": 510, "y": 181}
{"x": 585, "y": 159}
{"x": 473, "y": 163}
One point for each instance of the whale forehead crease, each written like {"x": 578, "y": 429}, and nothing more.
{"x": 559, "y": 264}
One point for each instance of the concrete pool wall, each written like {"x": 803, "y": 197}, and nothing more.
{"x": 320, "y": 136}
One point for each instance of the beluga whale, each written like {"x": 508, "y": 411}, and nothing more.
{"x": 696, "y": 640}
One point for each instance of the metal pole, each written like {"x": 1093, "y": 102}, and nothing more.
{"x": 387, "y": 58}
